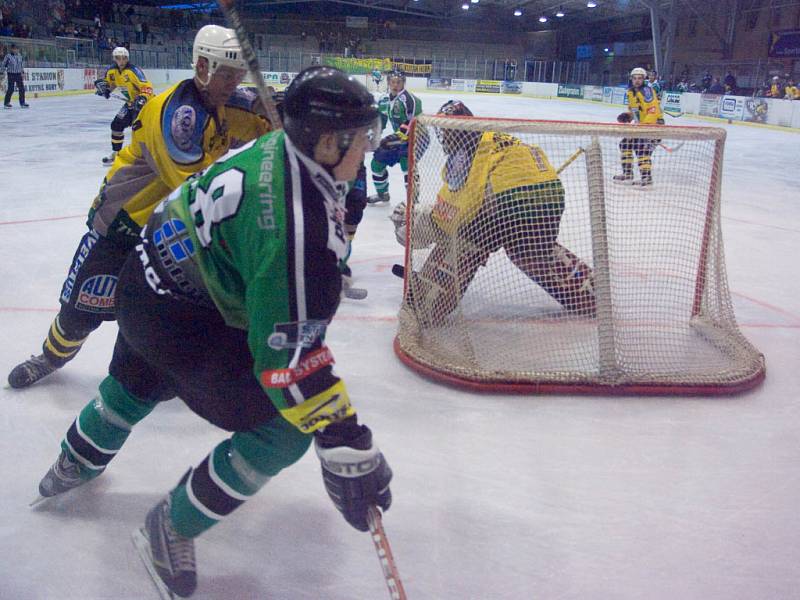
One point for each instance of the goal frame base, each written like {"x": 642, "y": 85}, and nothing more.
{"x": 582, "y": 389}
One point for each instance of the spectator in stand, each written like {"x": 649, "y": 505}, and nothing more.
{"x": 145, "y": 31}
{"x": 776, "y": 89}
{"x": 791, "y": 91}
{"x": 716, "y": 87}
{"x": 730, "y": 83}
{"x": 706, "y": 82}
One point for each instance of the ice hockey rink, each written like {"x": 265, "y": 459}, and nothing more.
{"x": 495, "y": 497}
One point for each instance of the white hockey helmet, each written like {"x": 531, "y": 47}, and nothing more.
{"x": 120, "y": 51}
{"x": 639, "y": 71}
{"x": 219, "y": 46}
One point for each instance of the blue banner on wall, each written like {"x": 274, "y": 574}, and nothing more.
{"x": 784, "y": 44}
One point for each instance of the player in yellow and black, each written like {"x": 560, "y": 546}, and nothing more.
{"x": 178, "y": 133}
{"x": 644, "y": 108}
{"x": 497, "y": 193}
{"x": 136, "y": 90}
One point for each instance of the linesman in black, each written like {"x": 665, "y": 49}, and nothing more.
{"x": 12, "y": 65}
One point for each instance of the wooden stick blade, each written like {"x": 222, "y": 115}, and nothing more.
{"x": 384, "y": 551}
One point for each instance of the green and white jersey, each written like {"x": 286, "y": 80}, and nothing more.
{"x": 258, "y": 235}
{"x": 399, "y": 110}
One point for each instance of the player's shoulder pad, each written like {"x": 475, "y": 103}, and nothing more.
{"x": 183, "y": 120}
{"x": 137, "y": 71}
{"x": 242, "y": 98}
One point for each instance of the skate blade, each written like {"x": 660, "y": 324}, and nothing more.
{"x": 142, "y": 545}
{"x": 38, "y": 500}
{"x": 354, "y": 293}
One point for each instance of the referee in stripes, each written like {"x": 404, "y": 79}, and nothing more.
{"x": 12, "y": 65}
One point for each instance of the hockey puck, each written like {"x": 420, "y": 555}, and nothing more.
{"x": 399, "y": 271}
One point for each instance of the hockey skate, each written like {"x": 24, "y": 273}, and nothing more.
{"x": 625, "y": 178}
{"x": 30, "y": 371}
{"x": 7, "y": 106}
{"x": 25, "y": 105}
{"x": 63, "y": 476}
{"x": 645, "y": 183}
{"x": 378, "y": 198}
{"x": 109, "y": 160}
{"x": 167, "y": 555}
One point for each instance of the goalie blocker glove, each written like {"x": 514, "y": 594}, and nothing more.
{"x": 354, "y": 471}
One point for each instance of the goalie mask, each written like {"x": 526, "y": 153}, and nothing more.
{"x": 323, "y": 100}
{"x": 451, "y": 138}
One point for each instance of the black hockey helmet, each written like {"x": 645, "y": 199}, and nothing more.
{"x": 324, "y": 100}
{"x": 394, "y": 73}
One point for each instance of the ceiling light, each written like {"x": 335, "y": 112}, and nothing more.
{"x": 518, "y": 13}
{"x": 605, "y": 49}
{"x": 560, "y": 13}
{"x": 542, "y": 19}
{"x": 465, "y": 6}
{"x": 591, "y": 4}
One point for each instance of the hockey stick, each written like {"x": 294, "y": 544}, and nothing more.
{"x": 232, "y": 15}
{"x": 570, "y": 160}
{"x": 674, "y": 114}
{"x": 378, "y": 535}
{"x": 673, "y": 149}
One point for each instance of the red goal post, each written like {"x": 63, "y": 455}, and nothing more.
{"x": 630, "y": 297}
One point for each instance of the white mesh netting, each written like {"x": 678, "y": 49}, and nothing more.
{"x": 529, "y": 267}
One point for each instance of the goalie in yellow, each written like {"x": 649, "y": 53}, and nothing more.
{"x": 497, "y": 192}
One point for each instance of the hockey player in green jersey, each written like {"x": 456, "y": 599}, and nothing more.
{"x": 397, "y": 107}
{"x": 225, "y": 304}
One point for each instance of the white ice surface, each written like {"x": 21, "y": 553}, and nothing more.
{"x": 550, "y": 497}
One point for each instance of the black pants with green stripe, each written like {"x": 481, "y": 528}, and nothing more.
{"x": 168, "y": 347}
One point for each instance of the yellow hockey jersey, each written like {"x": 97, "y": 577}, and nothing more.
{"x": 174, "y": 136}
{"x": 501, "y": 163}
{"x": 130, "y": 80}
{"x": 643, "y": 103}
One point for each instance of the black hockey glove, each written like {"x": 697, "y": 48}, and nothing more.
{"x": 354, "y": 471}
{"x": 624, "y": 117}
{"x": 138, "y": 103}
{"x": 101, "y": 88}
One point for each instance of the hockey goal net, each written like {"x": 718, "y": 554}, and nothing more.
{"x": 523, "y": 281}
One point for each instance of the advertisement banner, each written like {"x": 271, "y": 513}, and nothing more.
{"x": 608, "y": 94}
{"x": 89, "y": 76}
{"x": 487, "y": 86}
{"x": 439, "y": 83}
{"x": 277, "y": 78}
{"x": 412, "y": 68}
{"x": 732, "y": 107}
{"x": 358, "y": 65}
{"x": 709, "y": 105}
{"x": 511, "y": 87}
{"x": 671, "y": 102}
{"x": 620, "y": 96}
{"x": 784, "y": 44}
{"x": 569, "y": 90}
{"x": 593, "y": 93}
{"x": 755, "y": 110}
{"x": 44, "y": 80}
